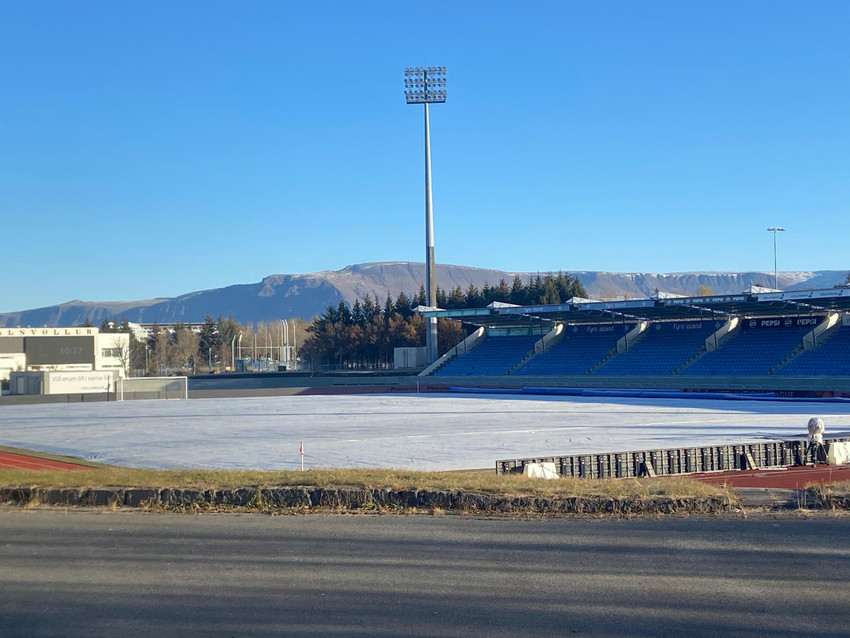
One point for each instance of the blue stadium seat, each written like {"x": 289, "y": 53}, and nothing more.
{"x": 580, "y": 348}
{"x": 666, "y": 347}
{"x": 754, "y": 351}
{"x": 494, "y": 356}
{"x": 832, "y": 357}
{"x": 757, "y": 349}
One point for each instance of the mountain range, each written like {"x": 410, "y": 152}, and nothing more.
{"x": 306, "y": 295}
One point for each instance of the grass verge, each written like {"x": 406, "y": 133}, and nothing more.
{"x": 491, "y": 483}
{"x": 830, "y": 497}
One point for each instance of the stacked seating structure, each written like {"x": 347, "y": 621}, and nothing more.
{"x": 579, "y": 349}
{"x": 832, "y": 357}
{"x": 494, "y": 356}
{"x": 752, "y": 352}
{"x": 666, "y": 347}
{"x": 758, "y": 348}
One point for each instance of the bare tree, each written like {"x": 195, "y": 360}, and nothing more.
{"x": 705, "y": 291}
{"x": 122, "y": 353}
{"x": 225, "y": 358}
{"x": 185, "y": 349}
{"x": 162, "y": 350}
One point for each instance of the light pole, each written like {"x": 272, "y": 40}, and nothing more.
{"x": 292, "y": 353}
{"x": 427, "y": 85}
{"x": 233, "y": 351}
{"x": 284, "y": 343}
{"x": 774, "y": 230}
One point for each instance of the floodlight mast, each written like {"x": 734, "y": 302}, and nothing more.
{"x": 774, "y": 230}
{"x": 427, "y": 85}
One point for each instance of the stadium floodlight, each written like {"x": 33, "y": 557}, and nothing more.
{"x": 774, "y": 230}
{"x": 431, "y": 82}
{"x": 427, "y": 85}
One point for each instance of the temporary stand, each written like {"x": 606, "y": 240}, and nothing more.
{"x": 819, "y": 453}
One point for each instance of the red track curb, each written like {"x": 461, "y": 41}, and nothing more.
{"x": 791, "y": 477}
{"x": 22, "y": 461}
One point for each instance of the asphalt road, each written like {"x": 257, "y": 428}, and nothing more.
{"x": 100, "y": 573}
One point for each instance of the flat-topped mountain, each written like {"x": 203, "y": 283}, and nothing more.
{"x": 306, "y": 295}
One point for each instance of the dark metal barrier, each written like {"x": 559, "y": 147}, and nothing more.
{"x": 715, "y": 458}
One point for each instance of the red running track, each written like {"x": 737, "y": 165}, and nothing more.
{"x": 24, "y": 462}
{"x": 794, "y": 477}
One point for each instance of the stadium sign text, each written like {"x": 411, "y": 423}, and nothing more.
{"x": 591, "y": 330}
{"x": 688, "y": 301}
{"x": 525, "y": 310}
{"x": 831, "y": 293}
{"x": 782, "y": 322}
{"x": 688, "y": 325}
{"x": 617, "y": 305}
{"x": 518, "y": 332}
{"x": 47, "y": 332}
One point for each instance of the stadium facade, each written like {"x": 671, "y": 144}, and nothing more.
{"x": 756, "y": 340}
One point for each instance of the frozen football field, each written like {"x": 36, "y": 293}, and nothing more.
{"x": 417, "y": 431}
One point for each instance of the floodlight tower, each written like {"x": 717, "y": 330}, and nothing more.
{"x": 427, "y": 85}
{"x": 774, "y": 230}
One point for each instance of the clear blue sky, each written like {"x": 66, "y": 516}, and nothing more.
{"x": 157, "y": 148}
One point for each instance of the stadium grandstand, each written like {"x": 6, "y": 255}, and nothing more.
{"x": 749, "y": 340}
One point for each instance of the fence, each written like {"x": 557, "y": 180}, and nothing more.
{"x": 716, "y": 458}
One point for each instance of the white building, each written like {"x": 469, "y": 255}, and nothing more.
{"x": 62, "y": 350}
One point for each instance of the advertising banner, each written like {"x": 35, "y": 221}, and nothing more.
{"x": 780, "y": 322}
{"x": 602, "y": 329}
{"x": 79, "y": 382}
{"x": 691, "y": 301}
{"x": 802, "y": 295}
{"x": 518, "y": 332}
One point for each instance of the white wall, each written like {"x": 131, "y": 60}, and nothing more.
{"x": 108, "y": 351}
{"x": 10, "y": 362}
{"x": 409, "y": 357}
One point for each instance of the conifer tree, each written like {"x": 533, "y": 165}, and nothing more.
{"x": 402, "y": 305}
{"x": 473, "y": 297}
{"x": 519, "y": 292}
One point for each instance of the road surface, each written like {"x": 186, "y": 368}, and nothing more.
{"x": 101, "y": 573}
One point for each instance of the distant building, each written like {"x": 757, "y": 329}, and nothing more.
{"x": 144, "y": 331}
{"x": 62, "y": 350}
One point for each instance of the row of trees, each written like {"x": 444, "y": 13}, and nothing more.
{"x": 185, "y": 350}
{"x": 365, "y": 335}
{"x": 549, "y": 289}
{"x": 178, "y": 348}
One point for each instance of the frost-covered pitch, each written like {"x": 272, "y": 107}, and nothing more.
{"x": 420, "y": 431}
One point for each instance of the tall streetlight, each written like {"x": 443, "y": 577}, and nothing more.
{"x": 233, "y": 351}
{"x": 774, "y": 230}
{"x": 427, "y": 85}
{"x": 284, "y": 342}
